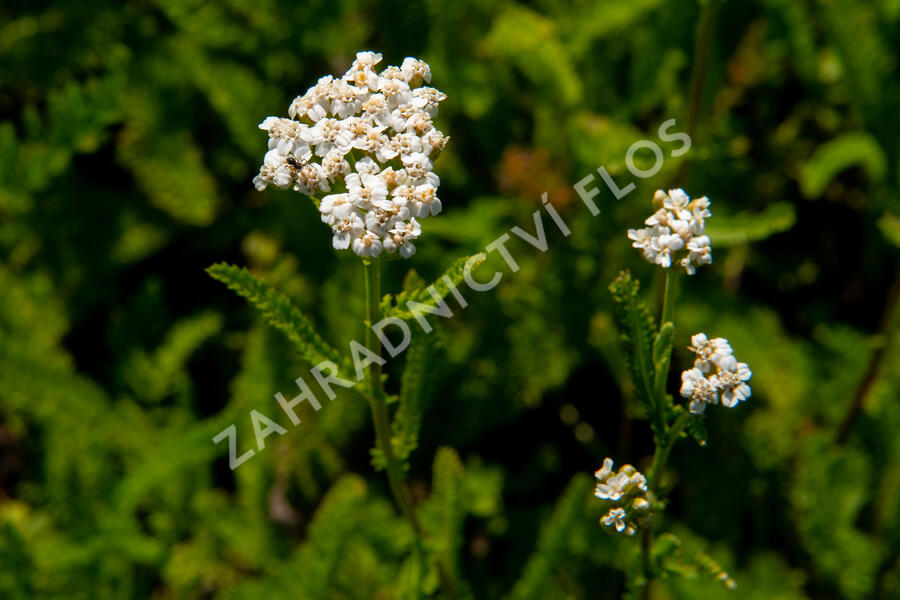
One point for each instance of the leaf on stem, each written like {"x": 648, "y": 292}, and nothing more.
{"x": 445, "y": 510}
{"x": 415, "y": 393}
{"x": 697, "y": 429}
{"x": 638, "y": 333}
{"x": 279, "y": 311}
{"x": 662, "y": 354}
{"x": 554, "y": 542}
{"x": 398, "y": 305}
{"x": 730, "y": 230}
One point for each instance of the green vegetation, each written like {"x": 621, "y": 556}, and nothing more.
{"x": 128, "y": 142}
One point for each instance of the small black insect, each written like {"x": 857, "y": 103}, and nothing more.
{"x": 293, "y": 162}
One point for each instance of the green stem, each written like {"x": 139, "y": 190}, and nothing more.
{"x": 661, "y": 456}
{"x": 646, "y": 547}
{"x": 699, "y": 69}
{"x": 664, "y": 445}
{"x": 381, "y": 420}
{"x": 666, "y": 314}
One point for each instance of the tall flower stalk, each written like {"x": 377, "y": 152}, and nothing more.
{"x": 362, "y": 147}
{"x": 674, "y": 233}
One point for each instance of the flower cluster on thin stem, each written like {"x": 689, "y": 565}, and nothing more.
{"x": 678, "y": 224}
{"x": 716, "y": 375}
{"x": 363, "y": 147}
{"x": 626, "y": 490}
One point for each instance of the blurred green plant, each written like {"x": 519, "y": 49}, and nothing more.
{"x": 127, "y": 145}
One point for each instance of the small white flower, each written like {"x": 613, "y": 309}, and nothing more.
{"x": 367, "y": 166}
{"x": 427, "y": 99}
{"x": 328, "y": 135}
{"x": 417, "y": 165}
{"x": 375, "y": 107}
{"x": 605, "y": 470}
{"x": 400, "y": 237}
{"x": 415, "y": 71}
{"x": 642, "y": 238}
{"x": 699, "y": 254}
{"x": 406, "y": 144}
{"x": 663, "y": 246}
{"x": 730, "y": 380}
{"x": 695, "y": 386}
{"x": 709, "y": 352}
{"x": 640, "y": 504}
{"x": 677, "y": 202}
{"x": 699, "y": 212}
{"x": 361, "y": 73}
{"x": 367, "y": 244}
{"x": 433, "y": 143}
{"x": 615, "y": 517}
{"x": 626, "y": 488}
{"x": 614, "y": 487}
{"x": 311, "y": 179}
{"x": 427, "y": 203}
{"x": 367, "y": 191}
{"x": 335, "y": 207}
{"x": 395, "y": 91}
{"x": 346, "y": 231}
{"x": 678, "y": 223}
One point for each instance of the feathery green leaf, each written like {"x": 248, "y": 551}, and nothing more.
{"x": 396, "y": 306}
{"x": 278, "y": 311}
{"x": 741, "y": 228}
{"x": 552, "y": 546}
{"x": 638, "y": 332}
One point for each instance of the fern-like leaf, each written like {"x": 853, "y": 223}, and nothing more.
{"x": 638, "y": 331}
{"x": 398, "y": 306}
{"x": 553, "y": 542}
{"x": 662, "y": 353}
{"x": 278, "y": 311}
{"x": 414, "y": 395}
{"x": 834, "y": 156}
{"x": 445, "y": 510}
{"x": 743, "y": 228}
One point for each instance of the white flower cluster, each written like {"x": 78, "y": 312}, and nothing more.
{"x": 627, "y": 490}
{"x": 728, "y": 375}
{"x": 368, "y": 141}
{"x": 678, "y": 224}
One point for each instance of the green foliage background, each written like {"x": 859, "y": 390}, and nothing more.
{"x": 127, "y": 144}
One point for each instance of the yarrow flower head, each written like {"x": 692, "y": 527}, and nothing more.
{"x": 363, "y": 147}
{"x": 716, "y": 375}
{"x": 627, "y": 491}
{"x": 678, "y": 224}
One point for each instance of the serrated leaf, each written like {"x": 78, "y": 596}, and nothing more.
{"x": 662, "y": 345}
{"x": 445, "y": 509}
{"x": 397, "y": 306}
{"x": 278, "y": 311}
{"x": 553, "y": 541}
{"x": 697, "y": 429}
{"x": 638, "y": 331}
{"x": 152, "y": 376}
{"x": 832, "y": 157}
{"x": 414, "y": 394}
{"x": 327, "y": 537}
{"x": 662, "y": 353}
{"x": 741, "y": 228}
{"x": 409, "y": 580}
{"x": 686, "y": 559}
